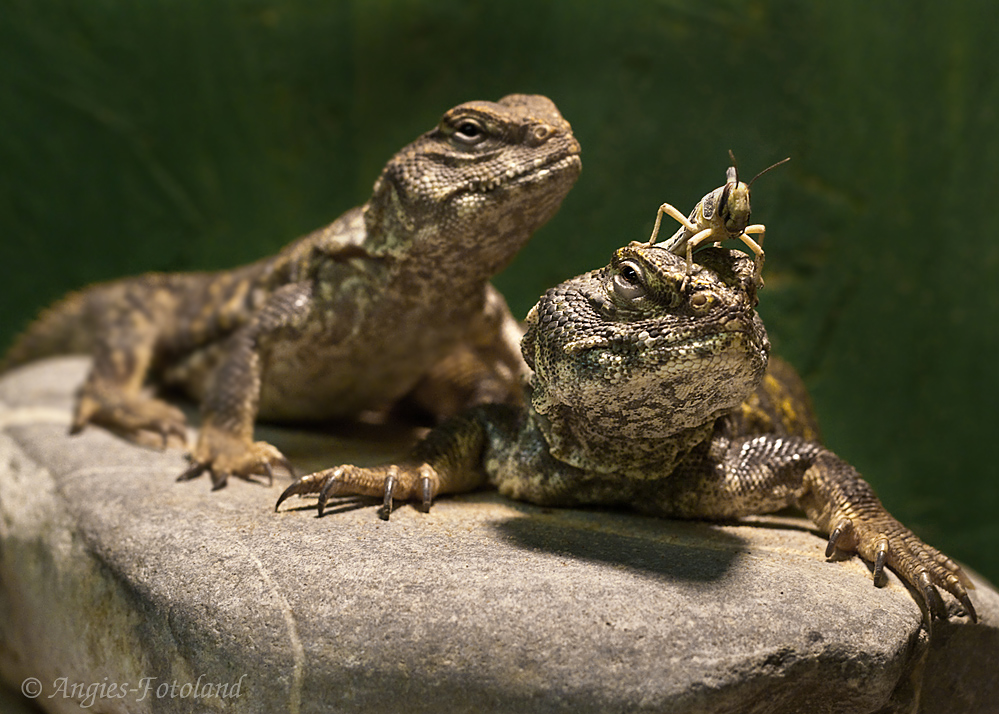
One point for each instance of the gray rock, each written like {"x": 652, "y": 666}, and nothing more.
{"x": 114, "y": 574}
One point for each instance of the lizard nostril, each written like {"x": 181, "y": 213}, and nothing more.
{"x": 541, "y": 133}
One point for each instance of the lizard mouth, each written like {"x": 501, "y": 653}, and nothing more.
{"x": 703, "y": 348}
{"x": 736, "y": 329}
{"x": 541, "y": 169}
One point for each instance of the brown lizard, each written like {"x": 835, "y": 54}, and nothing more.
{"x": 652, "y": 388}
{"x": 389, "y": 302}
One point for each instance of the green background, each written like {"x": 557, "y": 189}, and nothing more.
{"x": 180, "y": 134}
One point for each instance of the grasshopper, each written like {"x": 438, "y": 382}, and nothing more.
{"x": 721, "y": 215}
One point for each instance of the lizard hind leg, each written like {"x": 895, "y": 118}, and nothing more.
{"x": 139, "y": 418}
{"x": 112, "y": 395}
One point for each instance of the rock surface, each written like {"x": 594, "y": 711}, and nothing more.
{"x": 146, "y": 594}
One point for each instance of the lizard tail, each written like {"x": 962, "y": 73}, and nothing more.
{"x": 58, "y": 330}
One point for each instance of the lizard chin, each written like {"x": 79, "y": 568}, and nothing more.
{"x": 690, "y": 384}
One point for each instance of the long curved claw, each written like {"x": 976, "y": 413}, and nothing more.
{"x": 842, "y": 530}
{"x": 312, "y": 483}
{"x": 931, "y": 596}
{"x": 281, "y": 462}
{"x": 881, "y": 554}
{"x": 385, "y": 512}
{"x": 955, "y": 584}
{"x": 284, "y": 463}
{"x": 287, "y": 493}
{"x": 426, "y": 493}
{"x": 193, "y": 472}
{"x": 329, "y": 480}
{"x": 219, "y": 479}
{"x": 969, "y": 609}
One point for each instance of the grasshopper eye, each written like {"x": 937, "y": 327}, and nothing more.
{"x": 628, "y": 281}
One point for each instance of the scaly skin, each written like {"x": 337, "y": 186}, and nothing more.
{"x": 390, "y": 303}
{"x": 652, "y": 389}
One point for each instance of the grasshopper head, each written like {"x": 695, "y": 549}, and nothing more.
{"x": 735, "y": 209}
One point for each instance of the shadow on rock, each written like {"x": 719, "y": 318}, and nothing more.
{"x": 676, "y": 550}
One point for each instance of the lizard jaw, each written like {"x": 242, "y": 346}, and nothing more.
{"x": 541, "y": 171}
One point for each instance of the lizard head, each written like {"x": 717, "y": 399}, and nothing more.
{"x": 489, "y": 175}
{"x": 627, "y": 351}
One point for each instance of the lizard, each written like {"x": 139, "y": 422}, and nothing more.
{"x": 389, "y": 305}
{"x": 653, "y": 389}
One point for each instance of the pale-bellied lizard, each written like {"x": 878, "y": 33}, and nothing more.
{"x": 651, "y": 389}
{"x": 391, "y": 302}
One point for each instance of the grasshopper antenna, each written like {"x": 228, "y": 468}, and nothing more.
{"x": 772, "y": 166}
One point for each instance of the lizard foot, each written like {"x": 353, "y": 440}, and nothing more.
{"x": 140, "y": 419}
{"x": 411, "y": 482}
{"x": 883, "y": 541}
{"x": 223, "y": 454}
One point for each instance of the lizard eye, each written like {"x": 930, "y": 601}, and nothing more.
{"x": 469, "y": 131}
{"x": 628, "y": 283}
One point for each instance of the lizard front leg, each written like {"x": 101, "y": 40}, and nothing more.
{"x": 845, "y": 506}
{"x": 225, "y": 444}
{"x": 765, "y": 473}
{"x": 448, "y": 460}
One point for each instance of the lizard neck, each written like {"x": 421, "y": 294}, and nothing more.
{"x": 463, "y": 239}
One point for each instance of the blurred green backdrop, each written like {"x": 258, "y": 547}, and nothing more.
{"x": 180, "y": 134}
